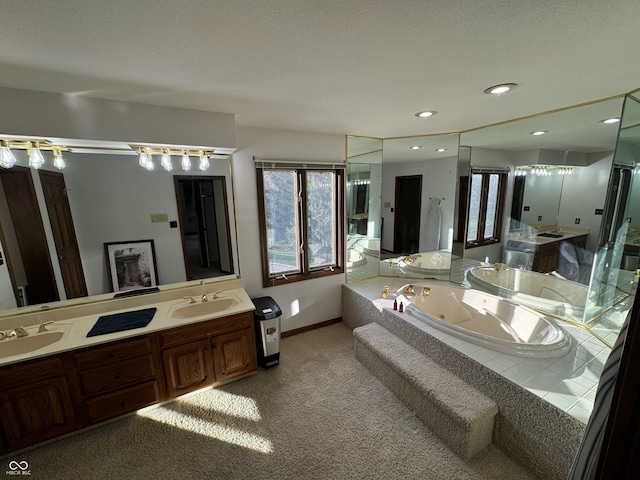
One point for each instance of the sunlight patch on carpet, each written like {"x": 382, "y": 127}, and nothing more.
{"x": 208, "y": 429}
{"x": 226, "y": 403}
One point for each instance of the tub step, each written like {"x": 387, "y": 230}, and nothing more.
{"x": 458, "y": 414}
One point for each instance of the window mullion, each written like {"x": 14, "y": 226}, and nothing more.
{"x": 302, "y": 212}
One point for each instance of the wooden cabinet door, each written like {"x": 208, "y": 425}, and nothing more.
{"x": 234, "y": 354}
{"x": 188, "y": 367}
{"x": 37, "y": 412}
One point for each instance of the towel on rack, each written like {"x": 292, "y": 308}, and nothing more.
{"x": 432, "y": 226}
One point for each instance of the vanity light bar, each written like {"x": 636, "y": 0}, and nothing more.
{"x": 34, "y": 148}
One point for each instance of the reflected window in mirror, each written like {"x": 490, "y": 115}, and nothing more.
{"x": 301, "y": 218}
{"x": 486, "y": 201}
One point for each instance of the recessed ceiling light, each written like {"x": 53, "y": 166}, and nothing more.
{"x": 426, "y": 114}
{"x": 415, "y": 147}
{"x": 609, "y": 121}
{"x": 500, "y": 89}
{"x": 441, "y": 150}
{"x": 539, "y": 132}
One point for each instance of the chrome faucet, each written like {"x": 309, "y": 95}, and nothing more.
{"x": 18, "y": 332}
{"x": 190, "y": 298}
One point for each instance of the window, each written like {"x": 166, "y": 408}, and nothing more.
{"x": 486, "y": 201}
{"x": 301, "y": 218}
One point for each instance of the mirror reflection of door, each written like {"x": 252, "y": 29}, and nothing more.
{"x": 517, "y": 204}
{"x": 406, "y": 223}
{"x": 204, "y": 226}
{"x": 64, "y": 234}
{"x": 30, "y": 267}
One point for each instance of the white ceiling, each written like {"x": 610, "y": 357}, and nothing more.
{"x": 340, "y": 67}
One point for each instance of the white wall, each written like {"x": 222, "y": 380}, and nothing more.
{"x": 582, "y": 192}
{"x": 302, "y": 303}
{"x": 438, "y": 181}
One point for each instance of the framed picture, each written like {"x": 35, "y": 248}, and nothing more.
{"x": 131, "y": 265}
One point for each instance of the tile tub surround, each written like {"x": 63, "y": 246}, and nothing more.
{"x": 544, "y": 403}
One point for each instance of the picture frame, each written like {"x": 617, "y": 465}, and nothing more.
{"x": 131, "y": 265}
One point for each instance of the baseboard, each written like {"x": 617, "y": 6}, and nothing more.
{"x": 296, "y": 331}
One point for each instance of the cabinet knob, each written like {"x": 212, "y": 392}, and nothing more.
{"x": 118, "y": 376}
{"x": 113, "y": 355}
{"x": 123, "y": 403}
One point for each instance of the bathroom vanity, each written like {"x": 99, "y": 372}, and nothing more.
{"x": 79, "y": 386}
{"x": 545, "y": 246}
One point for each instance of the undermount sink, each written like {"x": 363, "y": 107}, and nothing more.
{"x": 35, "y": 341}
{"x": 203, "y": 308}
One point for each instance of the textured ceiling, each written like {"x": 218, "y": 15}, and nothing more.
{"x": 358, "y": 67}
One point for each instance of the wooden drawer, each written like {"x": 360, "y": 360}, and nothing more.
{"x": 180, "y": 335}
{"x": 121, "y": 402}
{"x": 29, "y": 372}
{"x": 117, "y": 374}
{"x": 94, "y": 357}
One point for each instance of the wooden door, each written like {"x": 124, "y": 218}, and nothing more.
{"x": 64, "y": 233}
{"x": 29, "y": 231}
{"x": 406, "y": 224}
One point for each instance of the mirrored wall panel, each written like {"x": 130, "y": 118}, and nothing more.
{"x": 538, "y": 190}
{"x": 105, "y": 224}
{"x": 364, "y": 223}
{"x": 616, "y": 263}
{"x": 418, "y": 206}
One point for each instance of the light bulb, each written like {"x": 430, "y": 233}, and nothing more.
{"x": 36, "y": 160}
{"x": 143, "y": 160}
{"x": 58, "y": 161}
{"x": 7, "y": 158}
{"x": 186, "y": 163}
{"x": 165, "y": 161}
{"x": 204, "y": 163}
{"x": 150, "y": 165}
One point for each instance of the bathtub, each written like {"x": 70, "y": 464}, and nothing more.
{"x": 367, "y": 245}
{"x": 426, "y": 263}
{"x": 484, "y": 319}
{"x": 355, "y": 258}
{"x": 547, "y": 293}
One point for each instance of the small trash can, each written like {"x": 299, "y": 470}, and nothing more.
{"x": 267, "y": 325}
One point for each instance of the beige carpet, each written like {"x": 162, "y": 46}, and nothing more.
{"x": 318, "y": 415}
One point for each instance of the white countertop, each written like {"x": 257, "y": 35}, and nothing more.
{"x": 77, "y": 325}
{"x": 567, "y": 233}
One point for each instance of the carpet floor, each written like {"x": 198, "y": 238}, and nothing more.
{"x": 318, "y": 415}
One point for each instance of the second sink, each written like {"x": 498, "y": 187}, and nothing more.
{"x": 204, "y": 308}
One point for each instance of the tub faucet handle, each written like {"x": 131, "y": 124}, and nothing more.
{"x": 190, "y": 298}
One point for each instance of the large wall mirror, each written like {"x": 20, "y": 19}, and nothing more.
{"x": 418, "y": 205}
{"x": 364, "y": 223}
{"x": 187, "y": 218}
{"x": 618, "y": 251}
{"x": 557, "y": 169}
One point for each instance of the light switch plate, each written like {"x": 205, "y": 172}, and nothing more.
{"x": 159, "y": 217}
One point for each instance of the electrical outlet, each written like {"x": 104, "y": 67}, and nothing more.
{"x": 599, "y": 211}
{"x": 526, "y": 208}
{"x": 539, "y": 218}
{"x": 173, "y": 224}
{"x": 577, "y": 221}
